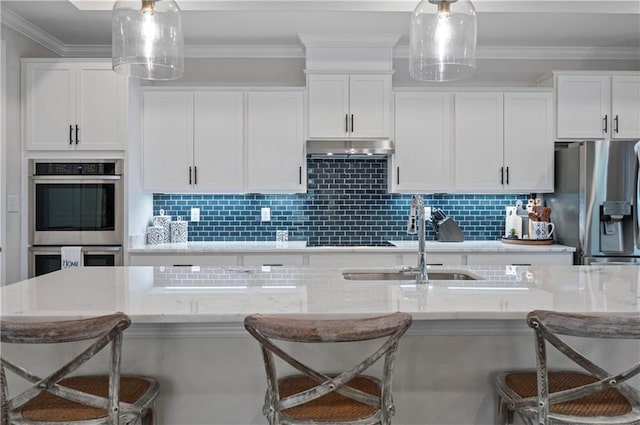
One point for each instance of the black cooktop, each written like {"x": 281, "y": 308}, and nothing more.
{"x": 350, "y": 243}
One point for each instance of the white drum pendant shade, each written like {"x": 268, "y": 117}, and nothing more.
{"x": 442, "y": 40}
{"x": 147, "y": 40}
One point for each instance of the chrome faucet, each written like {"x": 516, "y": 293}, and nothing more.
{"x": 415, "y": 225}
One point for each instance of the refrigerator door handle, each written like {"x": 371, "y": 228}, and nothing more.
{"x": 637, "y": 202}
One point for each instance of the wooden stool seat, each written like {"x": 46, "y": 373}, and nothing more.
{"x": 314, "y": 397}
{"x": 65, "y": 398}
{"x": 588, "y": 396}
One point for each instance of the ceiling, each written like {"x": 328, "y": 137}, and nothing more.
{"x": 506, "y": 28}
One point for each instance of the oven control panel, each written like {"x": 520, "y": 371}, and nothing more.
{"x": 75, "y": 168}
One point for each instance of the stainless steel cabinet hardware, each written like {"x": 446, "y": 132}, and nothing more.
{"x": 189, "y": 175}
{"x": 70, "y": 134}
{"x": 605, "y": 119}
{"x": 300, "y": 175}
{"x": 398, "y": 175}
{"x": 272, "y": 265}
{"x": 507, "y": 175}
{"x": 182, "y": 265}
{"x": 77, "y": 130}
{"x": 615, "y": 120}
{"x": 352, "y": 130}
{"x": 346, "y": 123}
{"x": 195, "y": 175}
{"x": 501, "y": 175}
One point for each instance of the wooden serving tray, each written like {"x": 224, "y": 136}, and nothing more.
{"x": 528, "y": 241}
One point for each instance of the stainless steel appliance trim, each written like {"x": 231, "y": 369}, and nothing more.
{"x": 349, "y": 147}
{"x": 79, "y": 178}
{"x": 118, "y": 163}
{"x": 98, "y": 237}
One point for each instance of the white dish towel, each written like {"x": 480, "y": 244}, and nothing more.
{"x": 70, "y": 256}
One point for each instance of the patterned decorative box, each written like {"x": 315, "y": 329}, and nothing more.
{"x": 155, "y": 235}
{"x": 179, "y": 231}
{"x": 165, "y": 222}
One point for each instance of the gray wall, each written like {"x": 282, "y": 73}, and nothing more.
{"x": 18, "y": 47}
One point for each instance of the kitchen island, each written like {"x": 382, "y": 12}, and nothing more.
{"x": 187, "y": 328}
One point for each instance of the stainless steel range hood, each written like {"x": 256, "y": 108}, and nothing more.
{"x": 349, "y": 147}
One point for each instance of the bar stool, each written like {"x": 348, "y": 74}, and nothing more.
{"x": 59, "y": 398}
{"x": 572, "y": 397}
{"x": 315, "y": 397}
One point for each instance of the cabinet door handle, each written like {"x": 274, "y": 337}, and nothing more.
{"x": 615, "y": 128}
{"x": 346, "y": 123}
{"x": 501, "y": 175}
{"x": 77, "y": 130}
{"x": 70, "y": 134}
{"x": 352, "y": 128}
{"x": 605, "y": 119}
{"x": 189, "y": 175}
{"x": 398, "y": 174}
{"x": 507, "y": 175}
{"x": 195, "y": 175}
{"x": 300, "y": 175}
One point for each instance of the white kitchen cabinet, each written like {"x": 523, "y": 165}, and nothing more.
{"x": 528, "y": 142}
{"x": 625, "y": 107}
{"x": 275, "y": 142}
{"x": 423, "y": 142}
{"x": 479, "y": 140}
{"x": 168, "y": 260}
{"x": 353, "y": 259}
{"x": 503, "y": 142}
{"x": 349, "y": 105}
{"x": 272, "y": 260}
{"x": 73, "y": 106}
{"x": 520, "y": 259}
{"x": 193, "y": 141}
{"x": 435, "y": 259}
{"x": 597, "y": 105}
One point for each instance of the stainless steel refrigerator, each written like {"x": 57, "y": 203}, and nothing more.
{"x": 595, "y": 201}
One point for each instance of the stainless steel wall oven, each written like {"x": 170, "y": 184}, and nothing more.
{"x": 75, "y": 203}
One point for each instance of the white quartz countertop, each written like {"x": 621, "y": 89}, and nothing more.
{"x": 300, "y": 246}
{"x": 228, "y": 294}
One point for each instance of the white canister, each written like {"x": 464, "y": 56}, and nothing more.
{"x": 164, "y": 221}
{"x": 155, "y": 235}
{"x": 179, "y": 231}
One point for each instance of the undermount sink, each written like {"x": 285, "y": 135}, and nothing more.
{"x": 440, "y": 274}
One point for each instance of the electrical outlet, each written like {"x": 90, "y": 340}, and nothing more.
{"x": 265, "y": 214}
{"x": 13, "y": 203}
{"x": 427, "y": 213}
{"x": 195, "y": 214}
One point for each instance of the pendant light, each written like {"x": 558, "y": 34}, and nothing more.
{"x": 147, "y": 39}
{"x": 442, "y": 44}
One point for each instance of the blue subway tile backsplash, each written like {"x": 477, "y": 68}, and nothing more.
{"x": 346, "y": 202}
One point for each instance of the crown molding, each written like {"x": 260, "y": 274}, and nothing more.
{"x": 26, "y": 28}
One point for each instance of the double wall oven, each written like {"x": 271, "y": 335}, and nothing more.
{"x": 75, "y": 203}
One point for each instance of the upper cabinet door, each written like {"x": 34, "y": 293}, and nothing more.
{"x": 49, "y": 93}
{"x": 423, "y": 142}
{"x": 582, "y": 109}
{"x": 219, "y": 142}
{"x": 275, "y": 142}
{"x": 625, "y": 107}
{"x": 478, "y": 142}
{"x": 369, "y": 105}
{"x": 528, "y": 142}
{"x": 99, "y": 107}
{"x": 328, "y": 105}
{"x": 167, "y": 141}
{"x": 73, "y": 106}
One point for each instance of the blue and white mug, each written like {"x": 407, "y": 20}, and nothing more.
{"x": 541, "y": 230}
